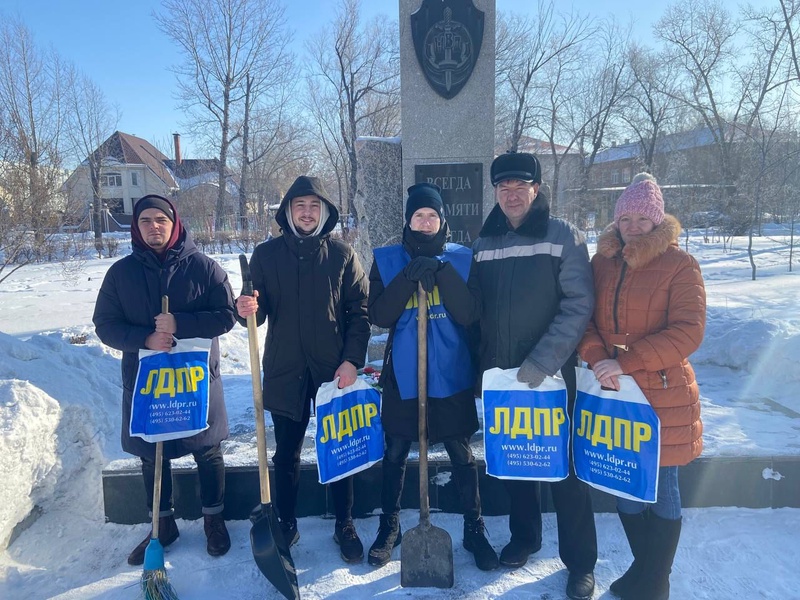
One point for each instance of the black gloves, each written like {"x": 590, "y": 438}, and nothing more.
{"x": 419, "y": 265}
{"x": 428, "y": 281}
{"x": 423, "y": 269}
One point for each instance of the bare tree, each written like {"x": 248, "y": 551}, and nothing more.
{"x": 790, "y": 9}
{"x": 280, "y": 147}
{"x": 354, "y": 83}
{"x": 91, "y": 120}
{"x": 31, "y": 93}
{"x": 269, "y": 133}
{"x": 31, "y": 125}
{"x": 225, "y": 44}
{"x": 576, "y": 103}
{"x": 525, "y": 45}
{"x": 650, "y": 104}
{"x": 605, "y": 82}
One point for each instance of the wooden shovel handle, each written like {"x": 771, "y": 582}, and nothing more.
{"x": 422, "y": 391}
{"x": 255, "y": 378}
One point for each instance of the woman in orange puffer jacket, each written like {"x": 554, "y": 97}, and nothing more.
{"x": 649, "y": 317}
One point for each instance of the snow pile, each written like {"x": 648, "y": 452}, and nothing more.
{"x": 28, "y": 462}
{"x": 762, "y": 351}
{"x": 46, "y": 443}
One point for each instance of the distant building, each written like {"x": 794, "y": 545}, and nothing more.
{"x": 685, "y": 164}
{"x": 132, "y": 168}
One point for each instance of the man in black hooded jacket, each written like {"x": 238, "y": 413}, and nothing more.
{"x": 312, "y": 291}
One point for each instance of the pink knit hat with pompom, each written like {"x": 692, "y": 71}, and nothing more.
{"x": 643, "y": 197}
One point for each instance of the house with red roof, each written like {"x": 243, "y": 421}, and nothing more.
{"x": 132, "y": 168}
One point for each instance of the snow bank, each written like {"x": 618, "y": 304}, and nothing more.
{"x": 28, "y": 462}
{"x": 763, "y": 352}
{"x": 45, "y": 444}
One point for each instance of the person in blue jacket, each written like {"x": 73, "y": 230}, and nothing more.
{"x": 443, "y": 270}
{"x": 127, "y": 316}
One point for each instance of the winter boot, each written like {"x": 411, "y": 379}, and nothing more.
{"x": 662, "y": 537}
{"x": 218, "y": 540}
{"x": 345, "y": 534}
{"x": 517, "y": 551}
{"x": 290, "y": 533}
{"x": 635, "y": 527}
{"x": 475, "y": 541}
{"x": 389, "y": 537}
{"x": 167, "y": 533}
{"x": 580, "y": 586}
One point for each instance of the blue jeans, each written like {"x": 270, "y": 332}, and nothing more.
{"x": 668, "y": 498}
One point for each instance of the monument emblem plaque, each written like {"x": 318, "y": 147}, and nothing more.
{"x": 447, "y": 38}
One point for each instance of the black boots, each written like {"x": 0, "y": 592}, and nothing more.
{"x": 660, "y": 543}
{"x": 635, "y": 527}
{"x": 516, "y": 552}
{"x": 167, "y": 533}
{"x": 580, "y": 586}
{"x": 389, "y": 537}
{"x": 350, "y": 546}
{"x": 475, "y": 541}
{"x": 218, "y": 540}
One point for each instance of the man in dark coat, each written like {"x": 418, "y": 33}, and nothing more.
{"x": 128, "y": 317}
{"x": 312, "y": 291}
{"x": 443, "y": 269}
{"x": 538, "y": 295}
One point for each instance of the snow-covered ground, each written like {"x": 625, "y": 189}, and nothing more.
{"x": 60, "y": 422}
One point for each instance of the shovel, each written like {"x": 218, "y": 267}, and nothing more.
{"x": 270, "y": 550}
{"x": 426, "y": 554}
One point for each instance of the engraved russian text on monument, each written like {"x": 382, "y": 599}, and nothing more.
{"x": 462, "y": 194}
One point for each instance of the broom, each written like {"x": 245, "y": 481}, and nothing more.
{"x": 155, "y": 583}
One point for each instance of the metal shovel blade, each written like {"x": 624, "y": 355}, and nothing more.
{"x": 271, "y": 552}
{"x": 426, "y": 558}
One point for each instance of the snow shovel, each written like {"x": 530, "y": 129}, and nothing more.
{"x": 155, "y": 583}
{"x": 426, "y": 554}
{"x": 270, "y": 550}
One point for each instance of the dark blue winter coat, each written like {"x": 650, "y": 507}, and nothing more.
{"x": 201, "y": 300}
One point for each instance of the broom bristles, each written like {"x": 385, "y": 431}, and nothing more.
{"x": 156, "y": 586}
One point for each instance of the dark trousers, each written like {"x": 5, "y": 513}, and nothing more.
{"x": 210, "y": 472}
{"x": 465, "y": 471}
{"x": 289, "y": 436}
{"x": 577, "y": 536}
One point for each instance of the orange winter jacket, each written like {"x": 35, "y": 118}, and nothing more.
{"x": 650, "y": 314}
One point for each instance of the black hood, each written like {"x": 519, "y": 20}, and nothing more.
{"x": 534, "y": 225}
{"x": 307, "y": 186}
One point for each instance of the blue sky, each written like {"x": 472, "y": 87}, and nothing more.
{"x": 119, "y": 46}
